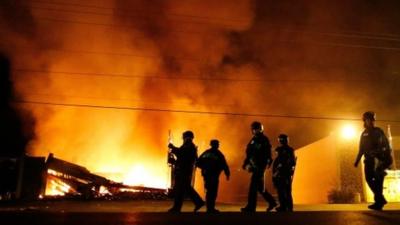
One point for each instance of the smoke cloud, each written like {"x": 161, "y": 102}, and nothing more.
{"x": 320, "y": 59}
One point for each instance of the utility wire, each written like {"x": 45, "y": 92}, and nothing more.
{"x": 127, "y": 16}
{"x": 141, "y": 11}
{"x": 389, "y": 37}
{"x": 345, "y": 33}
{"x": 192, "y": 111}
{"x": 160, "y": 77}
{"x": 203, "y": 32}
{"x": 355, "y": 35}
{"x": 113, "y": 9}
{"x": 73, "y": 51}
{"x": 127, "y": 100}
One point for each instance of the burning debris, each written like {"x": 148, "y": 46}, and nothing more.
{"x": 59, "y": 179}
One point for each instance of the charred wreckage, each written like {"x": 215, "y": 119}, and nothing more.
{"x": 32, "y": 178}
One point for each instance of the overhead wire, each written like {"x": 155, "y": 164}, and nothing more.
{"x": 199, "y": 78}
{"x": 338, "y": 44}
{"x": 365, "y": 35}
{"x": 386, "y": 37}
{"x": 215, "y": 113}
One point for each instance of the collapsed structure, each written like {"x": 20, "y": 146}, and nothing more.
{"x": 37, "y": 177}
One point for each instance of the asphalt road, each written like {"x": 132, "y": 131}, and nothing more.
{"x": 154, "y": 213}
{"x": 229, "y": 218}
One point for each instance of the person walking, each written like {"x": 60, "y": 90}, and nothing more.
{"x": 258, "y": 159}
{"x": 282, "y": 173}
{"x": 186, "y": 156}
{"x": 212, "y": 162}
{"x": 375, "y": 148}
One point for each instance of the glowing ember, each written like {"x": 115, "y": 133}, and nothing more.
{"x": 104, "y": 191}
{"x": 56, "y": 187}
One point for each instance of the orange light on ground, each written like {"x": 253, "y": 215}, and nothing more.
{"x": 348, "y": 132}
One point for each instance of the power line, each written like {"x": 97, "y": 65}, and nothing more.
{"x": 123, "y": 15}
{"x": 141, "y": 11}
{"x": 208, "y": 32}
{"x": 345, "y": 33}
{"x": 113, "y": 25}
{"x": 192, "y": 111}
{"x": 160, "y": 77}
{"x": 394, "y": 37}
{"x": 390, "y": 37}
{"x": 360, "y": 46}
{"x": 203, "y": 32}
{"x": 127, "y": 100}
{"x": 355, "y": 35}
{"x": 72, "y": 51}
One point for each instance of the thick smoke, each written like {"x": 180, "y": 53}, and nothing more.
{"x": 17, "y": 125}
{"x": 302, "y": 58}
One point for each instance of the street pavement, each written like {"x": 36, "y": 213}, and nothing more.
{"x": 153, "y": 213}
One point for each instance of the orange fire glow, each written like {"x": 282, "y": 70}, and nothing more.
{"x": 128, "y": 146}
{"x": 56, "y": 187}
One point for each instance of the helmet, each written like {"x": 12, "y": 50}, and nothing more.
{"x": 283, "y": 139}
{"x": 214, "y": 143}
{"x": 257, "y": 126}
{"x": 188, "y": 134}
{"x": 369, "y": 115}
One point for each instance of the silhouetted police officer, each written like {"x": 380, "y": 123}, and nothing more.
{"x": 282, "y": 173}
{"x": 375, "y": 148}
{"x": 186, "y": 156}
{"x": 258, "y": 159}
{"x": 212, "y": 162}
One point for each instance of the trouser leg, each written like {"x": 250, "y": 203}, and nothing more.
{"x": 289, "y": 196}
{"x": 211, "y": 185}
{"x": 179, "y": 192}
{"x": 252, "y": 195}
{"x": 378, "y": 194}
{"x": 283, "y": 193}
{"x": 261, "y": 188}
{"x": 374, "y": 180}
{"x": 193, "y": 195}
{"x": 380, "y": 174}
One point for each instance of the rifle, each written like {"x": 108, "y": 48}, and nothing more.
{"x": 170, "y": 158}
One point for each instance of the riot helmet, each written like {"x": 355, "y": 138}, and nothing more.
{"x": 369, "y": 115}
{"x": 188, "y": 134}
{"x": 214, "y": 143}
{"x": 283, "y": 139}
{"x": 257, "y": 127}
